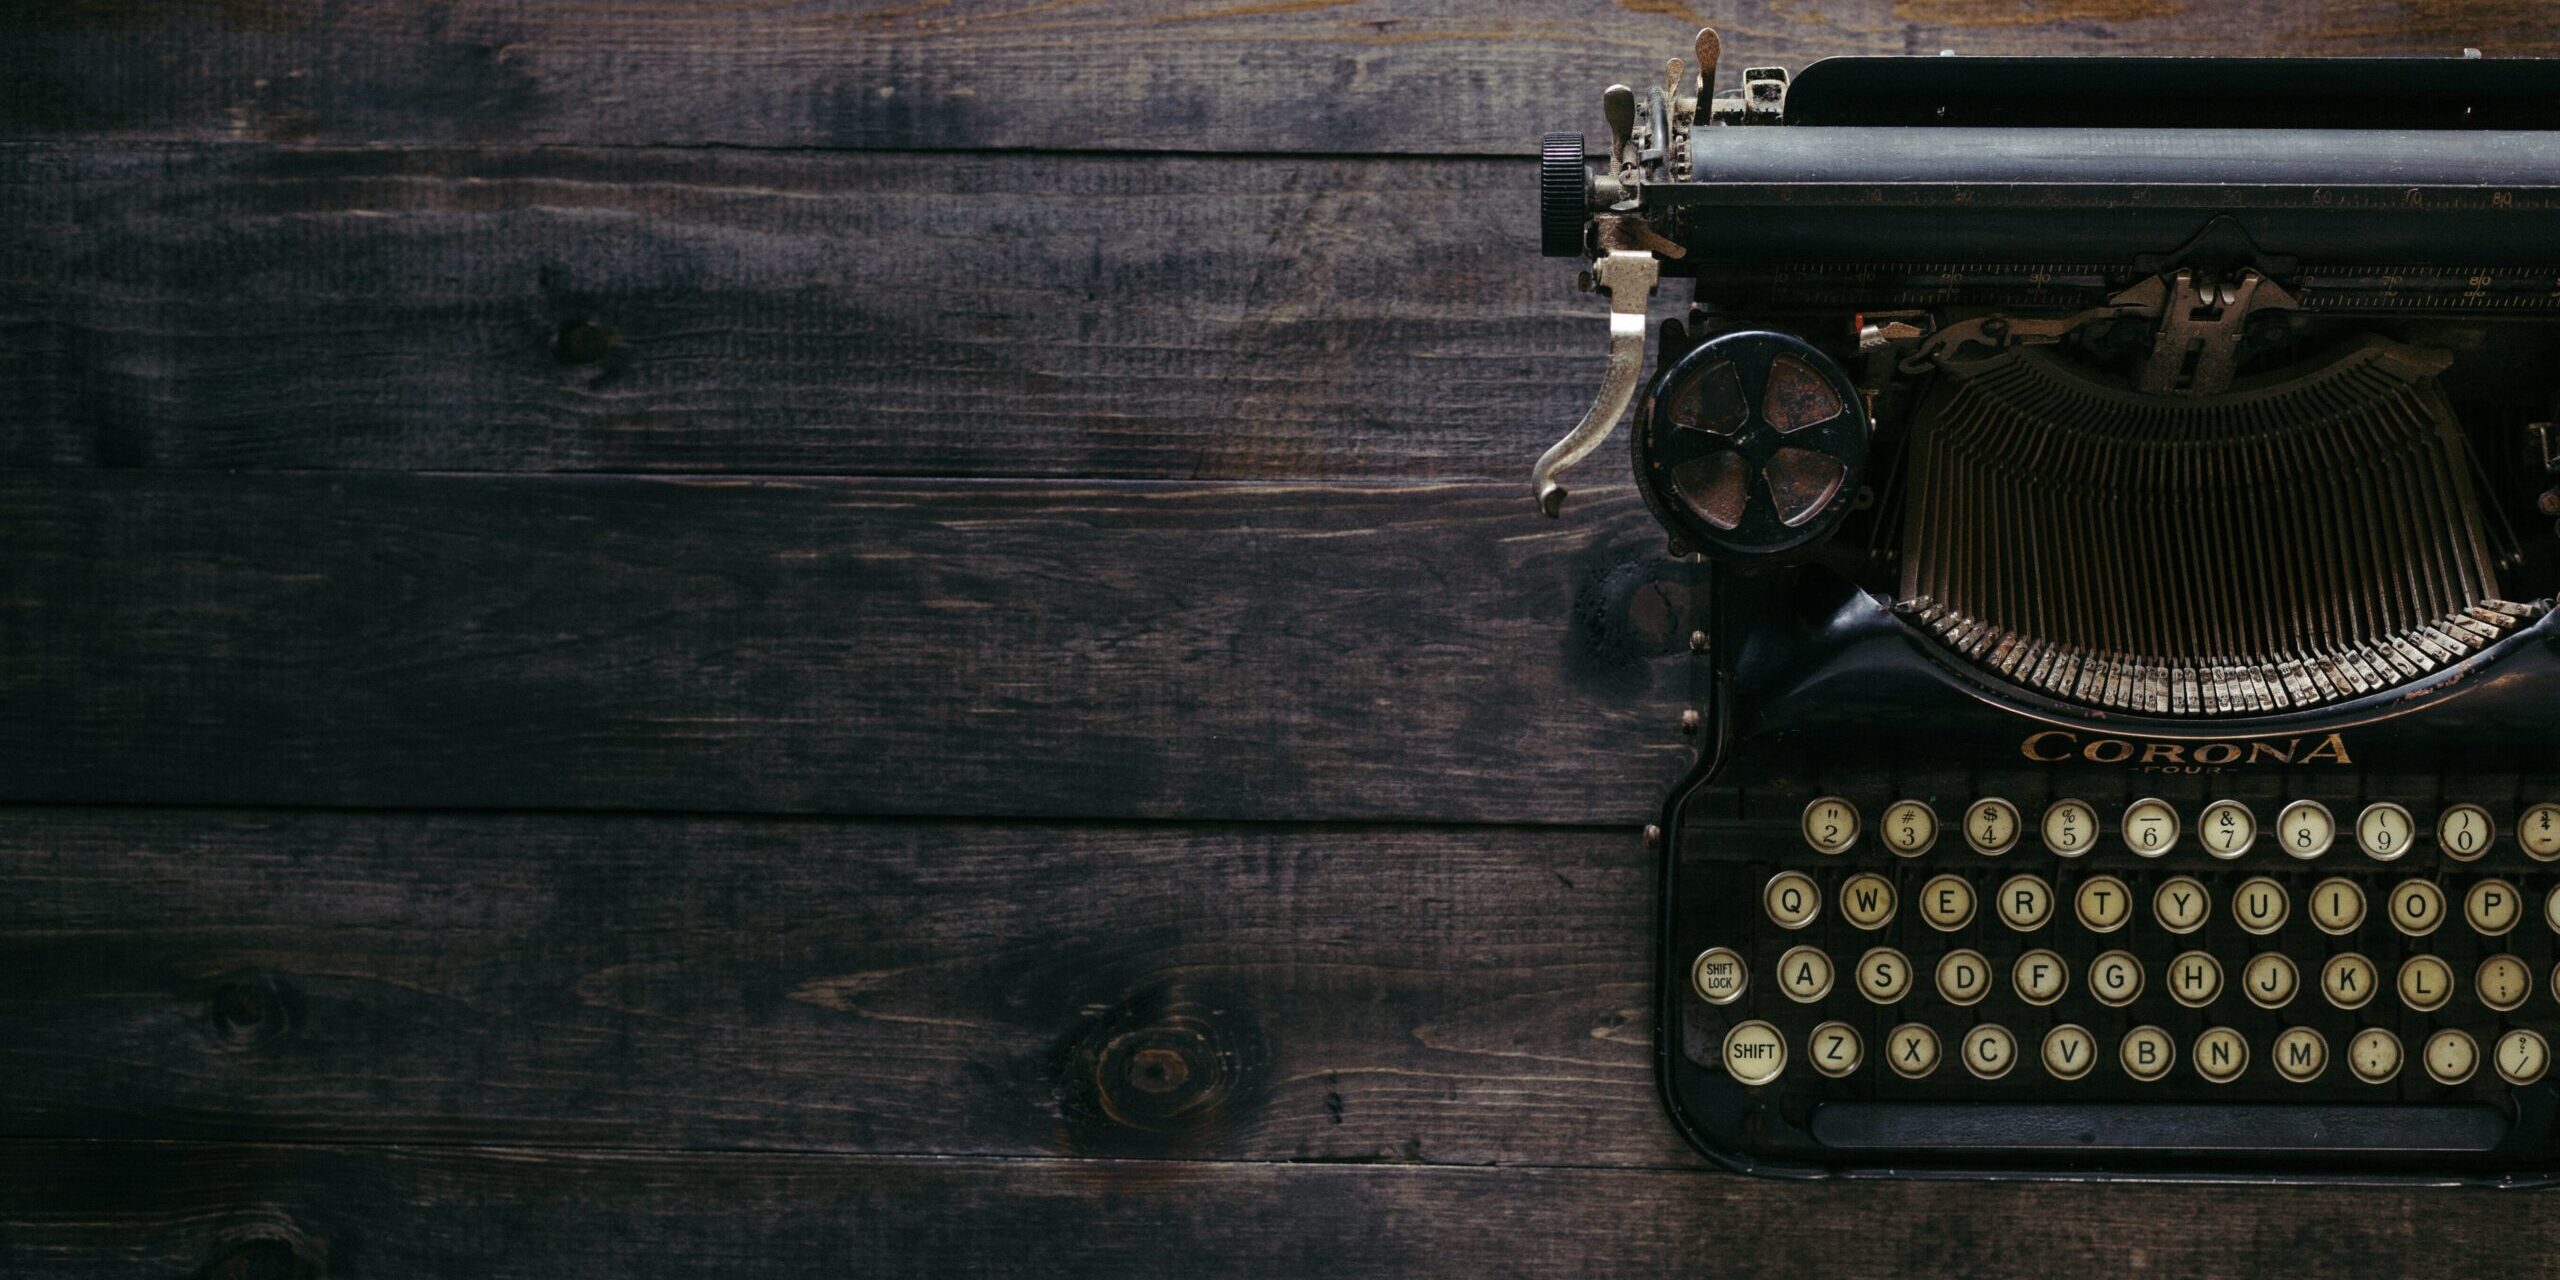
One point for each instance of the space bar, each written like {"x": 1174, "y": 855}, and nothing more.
{"x": 2157, "y": 1127}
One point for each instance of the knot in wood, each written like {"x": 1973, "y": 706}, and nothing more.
{"x": 248, "y": 1011}
{"x": 281, "y": 1255}
{"x": 1161, "y": 1072}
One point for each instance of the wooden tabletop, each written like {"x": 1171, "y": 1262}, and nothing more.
{"x": 890, "y": 639}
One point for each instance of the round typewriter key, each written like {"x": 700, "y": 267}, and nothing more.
{"x": 2492, "y": 907}
{"x": 2305, "y": 829}
{"x": 1989, "y": 1051}
{"x": 1867, "y": 900}
{"x": 2069, "y": 1051}
{"x": 1912, "y": 1049}
{"x": 2348, "y": 980}
{"x": 2259, "y": 905}
{"x": 1884, "y": 975}
{"x": 2025, "y": 901}
{"x": 2417, "y": 907}
{"x": 2147, "y": 1053}
{"x": 2522, "y": 1056}
{"x": 1793, "y": 899}
{"x": 2115, "y": 978}
{"x": 1831, "y": 825}
{"x": 2374, "y": 1055}
{"x": 1754, "y": 1052}
{"x": 1835, "y": 1049}
{"x": 2070, "y": 827}
{"x": 2539, "y": 832}
{"x": 1991, "y": 826}
{"x": 2337, "y": 905}
{"x": 2150, "y": 827}
{"x": 2040, "y": 976}
{"x": 1909, "y": 828}
{"x": 2221, "y": 1054}
{"x": 1963, "y": 976}
{"x": 2502, "y": 982}
{"x": 2300, "y": 1054}
{"x": 2551, "y": 908}
{"x": 1719, "y": 976}
{"x": 2195, "y": 978}
{"x": 2383, "y": 831}
{"x": 2464, "y": 832}
{"x": 1946, "y": 902}
{"x": 2181, "y": 904}
{"x": 2426, "y": 982}
{"x": 2102, "y": 903}
{"x": 1804, "y": 973}
{"x": 2269, "y": 979}
{"x": 2226, "y": 829}
{"x": 2451, "y": 1056}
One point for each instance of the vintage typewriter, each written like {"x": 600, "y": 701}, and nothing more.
{"x": 2130, "y": 704}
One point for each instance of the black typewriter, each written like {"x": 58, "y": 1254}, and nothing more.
{"x": 2131, "y": 705}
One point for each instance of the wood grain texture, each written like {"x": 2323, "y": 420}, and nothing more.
{"x": 1465, "y": 996}
{"x": 1217, "y": 651}
{"x": 1410, "y": 76}
{"x": 125, "y": 1209}
{"x": 575, "y": 310}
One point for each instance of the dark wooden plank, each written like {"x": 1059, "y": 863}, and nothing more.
{"x": 1465, "y": 996}
{"x": 869, "y": 646}
{"x": 493, "y": 310}
{"x": 150, "y": 1209}
{"x": 1426, "y": 76}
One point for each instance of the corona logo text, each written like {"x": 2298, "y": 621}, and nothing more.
{"x": 2053, "y": 746}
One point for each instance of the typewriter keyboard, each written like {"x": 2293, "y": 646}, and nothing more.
{"x": 2273, "y": 950}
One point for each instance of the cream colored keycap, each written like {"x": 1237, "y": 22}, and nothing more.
{"x": 2181, "y": 904}
{"x": 2115, "y": 978}
{"x": 1804, "y": 973}
{"x": 2374, "y": 1055}
{"x": 2416, "y": 907}
{"x": 2451, "y": 1056}
{"x": 2195, "y": 979}
{"x": 1946, "y": 902}
{"x": 1991, "y": 826}
{"x": 1754, "y": 1052}
{"x": 1835, "y": 1049}
{"x": 2070, "y": 827}
{"x": 2040, "y": 976}
{"x": 2465, "y": 831}
{"x": 2502, "y": 982}
{"x": 2384, "y": 830}
{"x": 2226, "y": 828}
{"x": 2305, "y": 830}
{"x": 2221, "y": 1054}
{"x": 1793, "y": 899}
{"x": 2025, "y": 902}
{"x": 2522, "y": 1056}
{"x": 1989, "y": 1051}
{"x": 1719, "y": 976}
{"x": 2269, "y": 979}
{"x": 1884, "y": 975}
{"x": 2349, "y": 980}
{"x": 2425, "y": 983}
{"x": 2300, "y": 1054}
{"x": 1866, "y": 900}
{"x": 1963, "y": 976}
{"x": 2150, "y": 827}
{"x": 1909, "y": 828}
{"x": 2337, "y": 905}
{"x": 2147, "y": 1053}
{"x": 2069, "y": 1051}
{"x": 1831, "y": 825}
{"x": 2259, "y": 905}
{"x": 2102, "y": 903}
{"x": 1911, "y": 1050}
{"x": 2551, "y": 908}
{"x": 2539, "y": 832}
{"x": 2492, "y": 907}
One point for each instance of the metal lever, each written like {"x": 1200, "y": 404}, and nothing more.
{"x": 1628, "y": 277}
